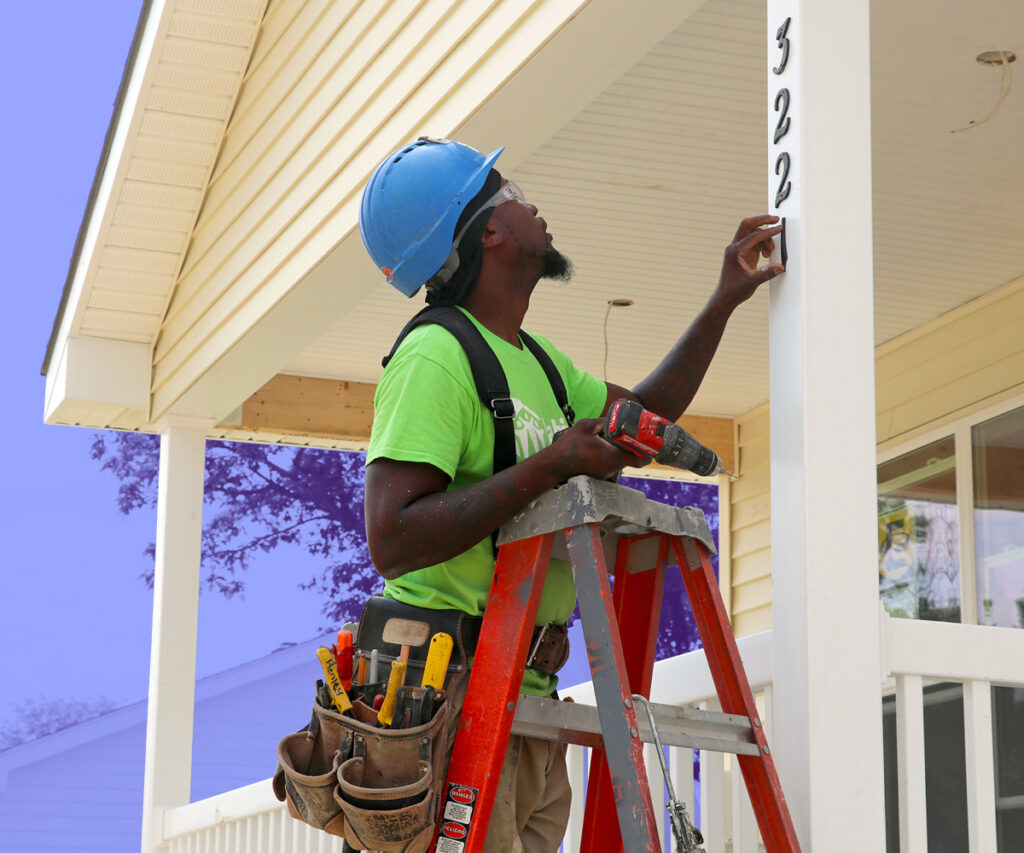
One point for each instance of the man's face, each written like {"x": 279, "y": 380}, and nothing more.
{"x": 529, "y": 232}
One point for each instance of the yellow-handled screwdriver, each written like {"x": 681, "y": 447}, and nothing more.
{"x": 438, "y": 656}
{"x": 386, "y": 714}
{"x": 333, "y": 680}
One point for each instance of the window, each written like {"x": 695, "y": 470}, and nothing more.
{"x": 951, "y": 524}
{"x": 951, "y": 548}
{"x": 918, "y": 534}
{"x": 998, "y": 457}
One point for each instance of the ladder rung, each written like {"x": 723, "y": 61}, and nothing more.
{"x": 571, "y": 722}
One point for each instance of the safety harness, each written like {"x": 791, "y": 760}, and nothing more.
{"x": 491, "y": 383}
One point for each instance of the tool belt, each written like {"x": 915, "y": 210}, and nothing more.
{"x": 549, "y": 646}
{"x": 378, "y": 788}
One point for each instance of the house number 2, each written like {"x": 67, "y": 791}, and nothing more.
{"x": 782, "y": 162}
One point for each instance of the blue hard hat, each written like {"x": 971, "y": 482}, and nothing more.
{"x": 412, "y": 203}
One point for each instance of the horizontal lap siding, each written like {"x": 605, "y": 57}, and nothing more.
{"x": 963, "y": 361}
{"x": 751, "y": 526}
{"x": 969, "y": 358}
{"x": 88, "y": 798}
{"x": 332, "y": 87}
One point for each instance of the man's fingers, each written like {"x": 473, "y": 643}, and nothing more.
{"x": 758, "y": 236}
{"x": 752, "y": 223}
{"x": 768, "y": 273}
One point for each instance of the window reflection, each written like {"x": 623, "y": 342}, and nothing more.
{"x": 918, "y": 534}
{"x": 998, "y": 447}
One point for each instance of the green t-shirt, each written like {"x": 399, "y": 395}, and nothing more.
{"x": 427, "y": 409}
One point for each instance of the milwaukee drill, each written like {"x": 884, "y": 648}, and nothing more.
{"x": 629, "y": 425}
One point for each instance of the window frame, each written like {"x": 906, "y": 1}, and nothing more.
{"x": 960, "y": 428}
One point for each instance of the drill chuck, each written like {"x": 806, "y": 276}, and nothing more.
{"x": 682, "y": 450}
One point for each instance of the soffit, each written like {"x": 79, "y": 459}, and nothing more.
{"x": 179, "y": 100}
{"x": 644, "y": 187}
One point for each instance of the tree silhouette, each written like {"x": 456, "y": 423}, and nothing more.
{"x": 260, "y": 496}
{"x": 36, "y": 718}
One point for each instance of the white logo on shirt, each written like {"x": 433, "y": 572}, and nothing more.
{"x": 532, "y": 431}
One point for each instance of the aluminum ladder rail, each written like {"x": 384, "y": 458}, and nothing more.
{"x": 591, "y": 523}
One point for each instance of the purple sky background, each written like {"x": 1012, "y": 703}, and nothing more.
{"x": 74, "y": 620}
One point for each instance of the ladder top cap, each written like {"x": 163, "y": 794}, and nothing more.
{"x": 616, "y": 509}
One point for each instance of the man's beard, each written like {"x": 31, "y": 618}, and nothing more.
{"x": 556, "y": 266}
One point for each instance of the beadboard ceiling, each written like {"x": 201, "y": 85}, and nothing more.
{"x": 644, "y": 187}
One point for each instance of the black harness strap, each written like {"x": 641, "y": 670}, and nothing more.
{"x": 490, "y": 380}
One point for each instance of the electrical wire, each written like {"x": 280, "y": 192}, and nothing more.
{"x": 1004, "y": 90}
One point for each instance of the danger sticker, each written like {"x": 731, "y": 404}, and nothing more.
{"x": 449, "y": 845}
{"x": 456, "y": 811}
{"x": 462, "y": 794}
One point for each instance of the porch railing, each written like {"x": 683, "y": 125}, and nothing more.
{"x": 914, "y": 653}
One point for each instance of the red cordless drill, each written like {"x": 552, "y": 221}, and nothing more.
{"x": 631, "y": 426}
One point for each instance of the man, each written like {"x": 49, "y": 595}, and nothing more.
{"x": 438, "y": 213}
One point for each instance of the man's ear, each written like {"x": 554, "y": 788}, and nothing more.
{"x": 491, "y": 237}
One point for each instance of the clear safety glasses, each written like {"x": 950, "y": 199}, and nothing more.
{"x": 508, "y": 192}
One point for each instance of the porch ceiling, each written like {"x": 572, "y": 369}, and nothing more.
{"x": 644, "y": 186}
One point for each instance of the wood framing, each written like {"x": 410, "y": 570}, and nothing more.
{"x": 333, "y": 410}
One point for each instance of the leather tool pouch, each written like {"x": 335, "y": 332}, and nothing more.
{"x": 378, "y": 787}
{"x": 549, "y": 647}
{"x": 379, "y": 610}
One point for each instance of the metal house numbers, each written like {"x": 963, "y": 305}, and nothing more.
{"x": 782, "y": 125}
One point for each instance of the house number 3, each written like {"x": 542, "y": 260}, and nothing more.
{"x": 782, "y": 162}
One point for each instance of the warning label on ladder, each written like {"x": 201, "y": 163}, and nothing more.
{"x": 457, "y": 816}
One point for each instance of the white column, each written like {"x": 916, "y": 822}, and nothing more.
{"x": 827, "y": 723}
{"x": 172, "y": 668}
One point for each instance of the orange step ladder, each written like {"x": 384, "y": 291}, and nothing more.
{"x": 592, "y": 522}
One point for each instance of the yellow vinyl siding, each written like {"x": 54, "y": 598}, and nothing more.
{"x": 750, "y": 527}
{"x": 333, "y": 86}
{"x": 968, "y": 359}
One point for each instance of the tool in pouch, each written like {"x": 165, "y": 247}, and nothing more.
{"x": 374, "y": 779}
{"x": 332, "y": 681}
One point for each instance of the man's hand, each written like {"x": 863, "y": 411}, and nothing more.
{"x": 671, "y": 386}
{"x": 412, "y": 520}
{"x": 581, "y": 450}
{"x": 741, "y": 275}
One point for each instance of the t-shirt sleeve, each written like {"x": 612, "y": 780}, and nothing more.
{"x": 587, "y": 394}
{"x": 422, "y": 413}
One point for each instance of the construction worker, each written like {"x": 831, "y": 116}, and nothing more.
{"x": 437, "y": 213}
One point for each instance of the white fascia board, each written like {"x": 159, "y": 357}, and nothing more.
{"x": 96, "y": 372}
{"x": 113, "y": 167}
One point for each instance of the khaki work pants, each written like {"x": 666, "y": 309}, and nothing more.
{"x": 531, "y": 807}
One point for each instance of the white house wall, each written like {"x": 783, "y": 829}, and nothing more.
{"x": 81, "y": 788}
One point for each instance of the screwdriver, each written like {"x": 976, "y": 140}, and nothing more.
{"x": 386, "y": 714}
{"x": 343, "y": 657}
{"x": 333, "y": 681}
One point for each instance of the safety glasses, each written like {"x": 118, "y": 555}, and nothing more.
{"x": 508, "y": 192}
